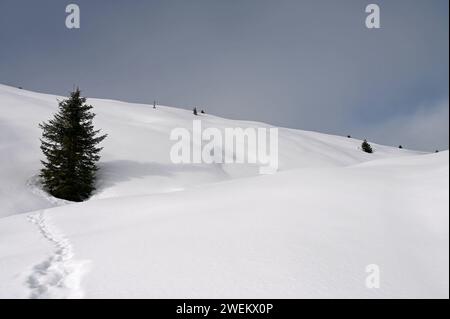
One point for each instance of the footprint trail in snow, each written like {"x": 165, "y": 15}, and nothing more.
{"x": 59, "y": 276}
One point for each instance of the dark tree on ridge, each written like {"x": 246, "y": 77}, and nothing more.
{"x": 366, "y": 147}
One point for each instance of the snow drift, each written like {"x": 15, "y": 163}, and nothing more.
{"x": 156, "y": 229}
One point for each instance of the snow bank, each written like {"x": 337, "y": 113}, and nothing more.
{"x": 135, "y": 160}
{"x": 155, "y": 229}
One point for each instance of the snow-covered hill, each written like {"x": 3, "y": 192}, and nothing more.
{"x": 156, "y": 229}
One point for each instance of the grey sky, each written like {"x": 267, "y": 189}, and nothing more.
{"x": 296, "y": 63}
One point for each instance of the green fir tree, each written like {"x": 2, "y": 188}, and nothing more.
{"x": 366, "y": 147}
{"x": 69, "y": 143}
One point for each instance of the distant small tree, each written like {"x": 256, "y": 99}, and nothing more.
{"x": 69, "y": 143}
{"x": 154, "y": 104}
{"x": 400, "y": 146}
{"x": 202, "y": 111}
{"x": 195, "y": 111}
{"x": 366, "y": 147}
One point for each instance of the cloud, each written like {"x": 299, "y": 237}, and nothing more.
{"x": 426, "y": 129}
{"x": 306, "y": 64}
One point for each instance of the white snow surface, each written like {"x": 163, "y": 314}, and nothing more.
{"x": 154, "y": 229}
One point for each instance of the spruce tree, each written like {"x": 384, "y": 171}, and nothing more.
{"x": 69, "y": 143}
{"x": 366, "y": 147}
{"x": 195, "y": 111}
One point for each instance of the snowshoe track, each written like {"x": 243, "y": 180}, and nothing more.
{"x": 59, "y": 276}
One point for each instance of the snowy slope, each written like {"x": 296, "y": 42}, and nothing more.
{"x": 155, "y": 229}
{"x": 136, "y": 159}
